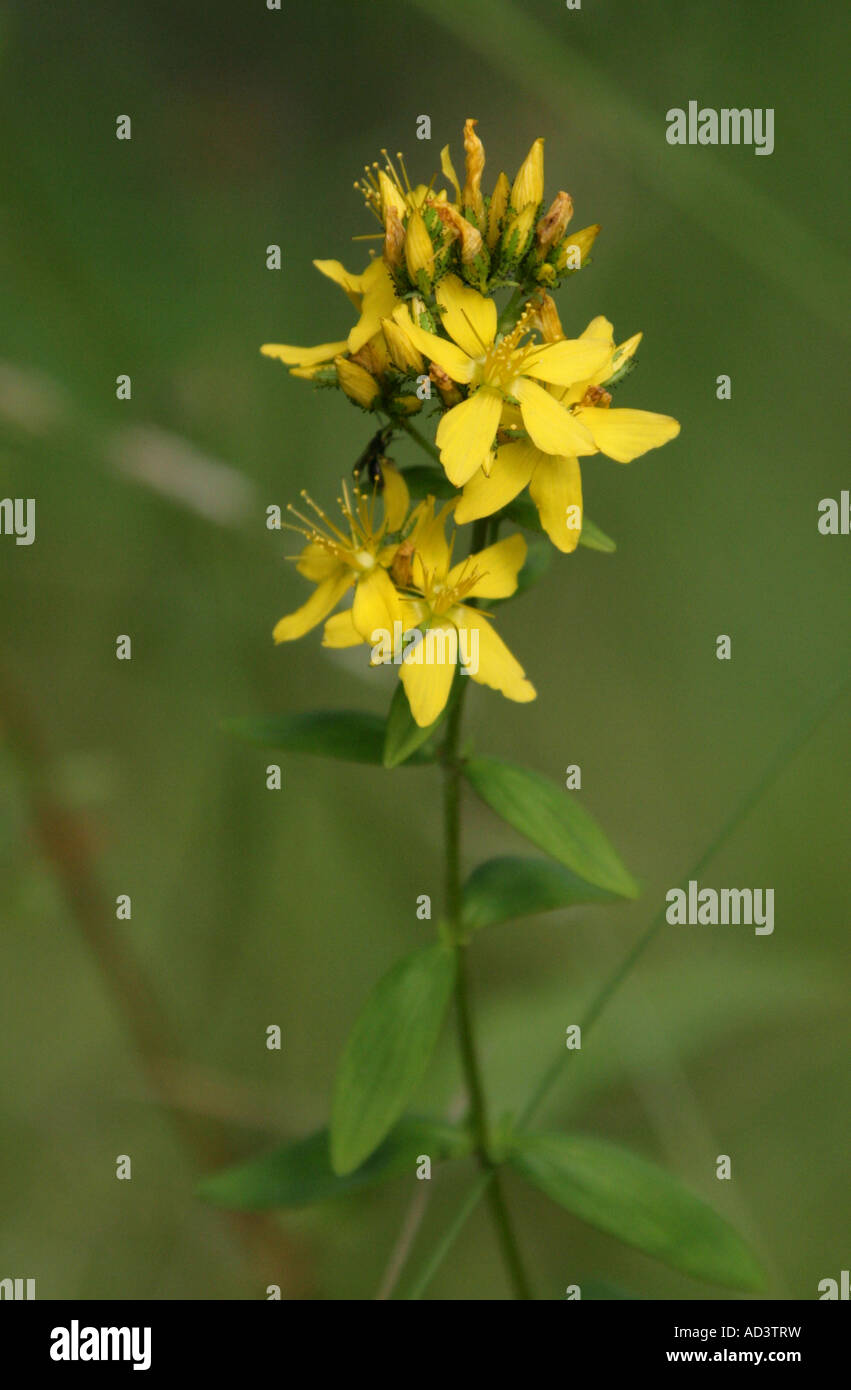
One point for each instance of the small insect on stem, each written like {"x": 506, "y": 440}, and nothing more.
{"x": 373, "y": 457}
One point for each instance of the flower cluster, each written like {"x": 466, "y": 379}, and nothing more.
{"x": 519, "y": 405}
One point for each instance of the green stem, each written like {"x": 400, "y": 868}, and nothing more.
{"x": 508, "y": 317}
{"x": 466, "y": 1037}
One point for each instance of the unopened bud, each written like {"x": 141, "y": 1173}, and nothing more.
{"x": 403, "y": 354}
{"x": 496, "y": 211}
{"x": 394, "y": 239}
{"x": 547, "y": 321}
{"x": 391, "y": 196}
{"x": 419, "y": 252}
{"x": 553, "y": 224}
{"x": 357, "y": 383}
{"x": 529, "y": 184}
{"x": 574, "y": 250}
{"x": 474, "y": 151}
{"x": 518, "y": 235}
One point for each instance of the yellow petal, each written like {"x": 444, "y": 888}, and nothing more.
{"x": 396, "y": 497}
{"x": 340, "y": 631}
{"x": 550, "y": 426}
{"x": 466, "y": 433}
{"x": 449, "y": 171}
{"x": 428, "y": 683}
{"x": 303, "y": 356}
{"x": 498, "y": 566}
{"x": 379, "y": 301}
{"x": 572, "y": 359}
{"x": 556, "y": 486}
{"x": 510, "y": 472}
{"x": 497, "y": 667}
{"x": 317, "y": 562}
{"x": 352, "y": 285}
{"x": 468, "y": 316}
{"x": 600, "y": 327}
{"x": 376, "y": 603}
{"x": 431, "y": 551}
{"x": 454, "y": 362}
{"x": 318, "y": 606}
{"x": 626, "y": 434}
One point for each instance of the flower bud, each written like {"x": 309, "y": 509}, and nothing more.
{"x": 574, "y": 250}
{"x": 529, "y": 184}
{"x": 474, "y": 151}
{"x": 391, "y": 196}
{"x": 394, "y": 239}
{"x": 456, "y": 225}
{"x": 547, "y": 321}
{"x": 496, "y": 211}
{"x": 357, "y": 383}
{"x": 419, "y": 252}
{"x": 403, "y": 354}
{"x": 553, "y": 224}
{"x": 517, "y": 236}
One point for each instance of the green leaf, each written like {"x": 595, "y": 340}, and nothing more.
{"x": 423, "y": 481}
{"x": 402, "y": 734}
{"x": 552, "y": 819}
{"x": 594, "y": 539}
{"x": 387, "y": 1052}
{"x": 638, "y": 1203}
{"x": 524, "y": 512}
{"x": 351, "y": 735}
{"x": 301, "y": 1173}
{"x": 510, "y": 887}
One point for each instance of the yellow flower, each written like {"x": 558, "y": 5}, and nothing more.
{"x": 432, "y": 598}
{"x": 554, "y": 479}
{"x": 496, "y": 369}
{"x": 373, "y": 296}
{"x": 335, "y": 561}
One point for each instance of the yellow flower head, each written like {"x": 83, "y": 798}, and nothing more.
{"x": 433, "y": 596}
{"x": 553, "y": 476}
{"x": 335, "y": 558}
{"x": 496, "y": 369}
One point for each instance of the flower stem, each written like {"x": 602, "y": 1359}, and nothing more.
{"x": 466, "y": 1038}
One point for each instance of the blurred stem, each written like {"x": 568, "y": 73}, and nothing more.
{"x": 466, "y": 1038}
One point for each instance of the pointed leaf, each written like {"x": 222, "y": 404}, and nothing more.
{"x": 351, "y": 735}
{"x": 301, "y": 1173}
{"x": 639, "y": 1203}
{"x": 402, "y": 734}
{"x": 510, "y": 887}
{"x": 552, "y": 819}
{"x": 387, "y": 1052}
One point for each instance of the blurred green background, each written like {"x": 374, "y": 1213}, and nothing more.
{"x": 253, "y": 907}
